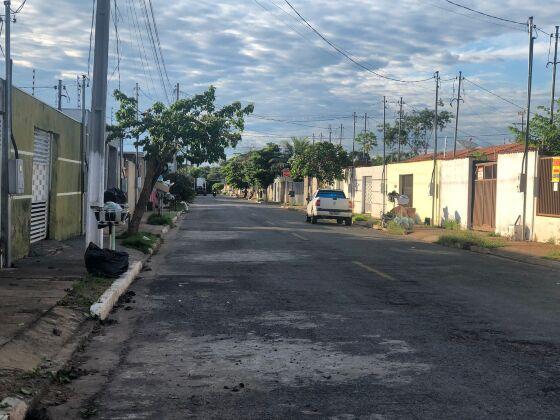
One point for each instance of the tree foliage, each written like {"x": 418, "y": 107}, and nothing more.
{"x": 192, "y": 129}
{"x": 234, "y": 172}
{"x": 367, "y": 141}
{"x": 543, "y": 133}
{"x": 324, "y": 161}
{"x": 263, "y": 165}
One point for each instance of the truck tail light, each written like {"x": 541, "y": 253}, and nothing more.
{"x": 318, "y": 202}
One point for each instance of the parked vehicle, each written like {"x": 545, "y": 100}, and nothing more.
{"x": 329, "y": 204}
{"x": 201, "y": 186}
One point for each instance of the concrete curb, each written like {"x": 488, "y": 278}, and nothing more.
{"x": 103, "y": 306}
{"x": 14, "y": 409}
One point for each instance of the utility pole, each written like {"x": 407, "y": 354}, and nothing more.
{"x": 354, "y": 138}
{"x": 96, "y": 161}
{"x": 137, "y": 175}
{"x": 400, "y": 127}
{"x": 83, "y": 148}
{"x": 321, "y": 140}
{"x": 365, "y": 131}
{"x": 33, "y": 85}
{"x": 434, "y": 188}
{"x": 554, "y": 63}
{"x": 178, "y": 92}
{"x": 458, "y": 99}
{"x": 527, "y": 134}
{"x": 341, "y": 128}
{"x": 59, "y": 101}
{"x": 313, "y": 141}
{"x": 5, "y": 202}
{"x": 384, "y": 175}
{"x": 522, "y": 115}
{"x": 330, "y": 134}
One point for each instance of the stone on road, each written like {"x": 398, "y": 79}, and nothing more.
{"x": 249, "y": 312}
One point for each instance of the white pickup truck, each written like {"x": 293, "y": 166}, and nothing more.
{"x": 329, "y": 204}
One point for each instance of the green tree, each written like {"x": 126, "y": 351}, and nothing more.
{"x": 367, "y": 141}
{"x": 262, "y": 166}
{"x": 543, "y": 133}
{"x": 324, "y": 161}
{"x": 234, "y": 172}
{"x": 192, "y": 129}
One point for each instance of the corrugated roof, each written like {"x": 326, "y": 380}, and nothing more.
{"x": 492, "y": 152}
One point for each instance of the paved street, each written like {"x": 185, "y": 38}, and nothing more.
{"x": 249, "y": 312}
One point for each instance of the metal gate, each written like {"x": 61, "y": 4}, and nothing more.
{"x": 368, "y": 193}
{"x": 40, "y": 186}
{"x": 484, "y": 200}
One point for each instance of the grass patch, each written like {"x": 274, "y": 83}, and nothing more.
{"x": 142, "y": 241}
{"x": 554, "y": 256}
{"x": 360, "y": 218}
{"x": 466, "y": 239}
{"x": 494, "y": 235}
{"x": 451, "y": 224}
{"x": 86, "y": 291}
{"x": 395, "y": 229}
{"x": 160, "y": 219}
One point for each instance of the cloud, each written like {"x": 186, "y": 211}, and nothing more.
{"x": 257, "y": 51}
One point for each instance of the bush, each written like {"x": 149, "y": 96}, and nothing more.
{"x": 159, "y": 219}
{"x": 142, "y": 241}
{"x": 451, "y": 224}
{"x": 217, "y": 188}
{"x": 466, "y": 239}
{"x": 555, "y": 256}
{"x": 360, "y": 218}
{"x": 183, "y": 187}
{"x": 395, "y": 229}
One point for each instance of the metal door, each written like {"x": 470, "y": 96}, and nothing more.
{"x": 484, "y": 200}
{"x": 368, "y": 193}
{"x": 406, "y": 183}
{"x": 40, "y": 186}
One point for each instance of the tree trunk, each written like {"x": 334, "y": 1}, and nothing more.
{"x": 153, "y": 171}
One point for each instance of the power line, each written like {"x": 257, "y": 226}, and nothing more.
{"x": 348, "y": 56}
{"x": 20, "y": 7}
{"x": 494, "y": 94}
{"x": 486, "y": 14}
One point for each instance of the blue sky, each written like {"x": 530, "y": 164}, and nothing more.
{"x": 257, "y": 51}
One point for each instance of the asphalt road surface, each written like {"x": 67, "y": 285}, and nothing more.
{"x": 250, "y": 313}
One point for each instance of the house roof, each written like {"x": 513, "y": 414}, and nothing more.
{"x": 491, "y": 151}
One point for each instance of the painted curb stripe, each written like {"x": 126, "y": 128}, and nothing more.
{"x": 373, "y": 270}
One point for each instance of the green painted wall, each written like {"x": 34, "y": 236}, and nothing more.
{"x": 64, "y": 209}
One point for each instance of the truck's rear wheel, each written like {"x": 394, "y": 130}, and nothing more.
{"x": 348, "y": 221}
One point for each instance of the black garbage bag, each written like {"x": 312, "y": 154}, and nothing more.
{"x": 116, "y": 196}
{"x": 104, "y": 262}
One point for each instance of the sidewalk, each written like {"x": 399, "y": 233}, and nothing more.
{"x": 45, "y": 311}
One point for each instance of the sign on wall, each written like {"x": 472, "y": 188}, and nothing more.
{"x": 556, "y": 169}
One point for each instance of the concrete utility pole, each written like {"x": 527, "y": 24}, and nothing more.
{"x": 354, "y": 138}
{"x": 33, "y": 85}
{"x": 313, "y": 141}
{"x": 384, "y": 175}
{"x": 96, "y": 152}
{"x": 178, "y": 92}
{"x": 527, "y": 134}
{"x": 136, "y": 183}
{"x": 400, "y": 127}
{"x": 83, "y": 148}
{"x": 59, "y": 100}
{"x": 330, "y": 134}
{"x": 435, "y": 151}
{"x": 5, "y": 202}
{"x": 365, "y": 131}
{"x": 458, "y": 99}
{"x": 341, "y": 128}
{"x": 554, "y": 63}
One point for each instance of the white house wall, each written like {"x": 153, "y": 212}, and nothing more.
{"x": 509, "y": 201}
{"x": 456, "y": 191}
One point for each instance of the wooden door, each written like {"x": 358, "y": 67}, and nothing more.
{"x": 484, "y": 200}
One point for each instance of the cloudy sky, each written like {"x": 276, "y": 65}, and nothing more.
{"x": 258, "y": 51}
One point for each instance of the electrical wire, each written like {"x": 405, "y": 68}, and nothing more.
{"x": 91, "y": 37}
{"x": 486, "y": 14}
{"x": 348, "y": 56}
{"x": 492, "y": 93}
{"x": 20, "y": 8}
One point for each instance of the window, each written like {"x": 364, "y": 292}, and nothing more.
{"x": 331, "y": 194}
